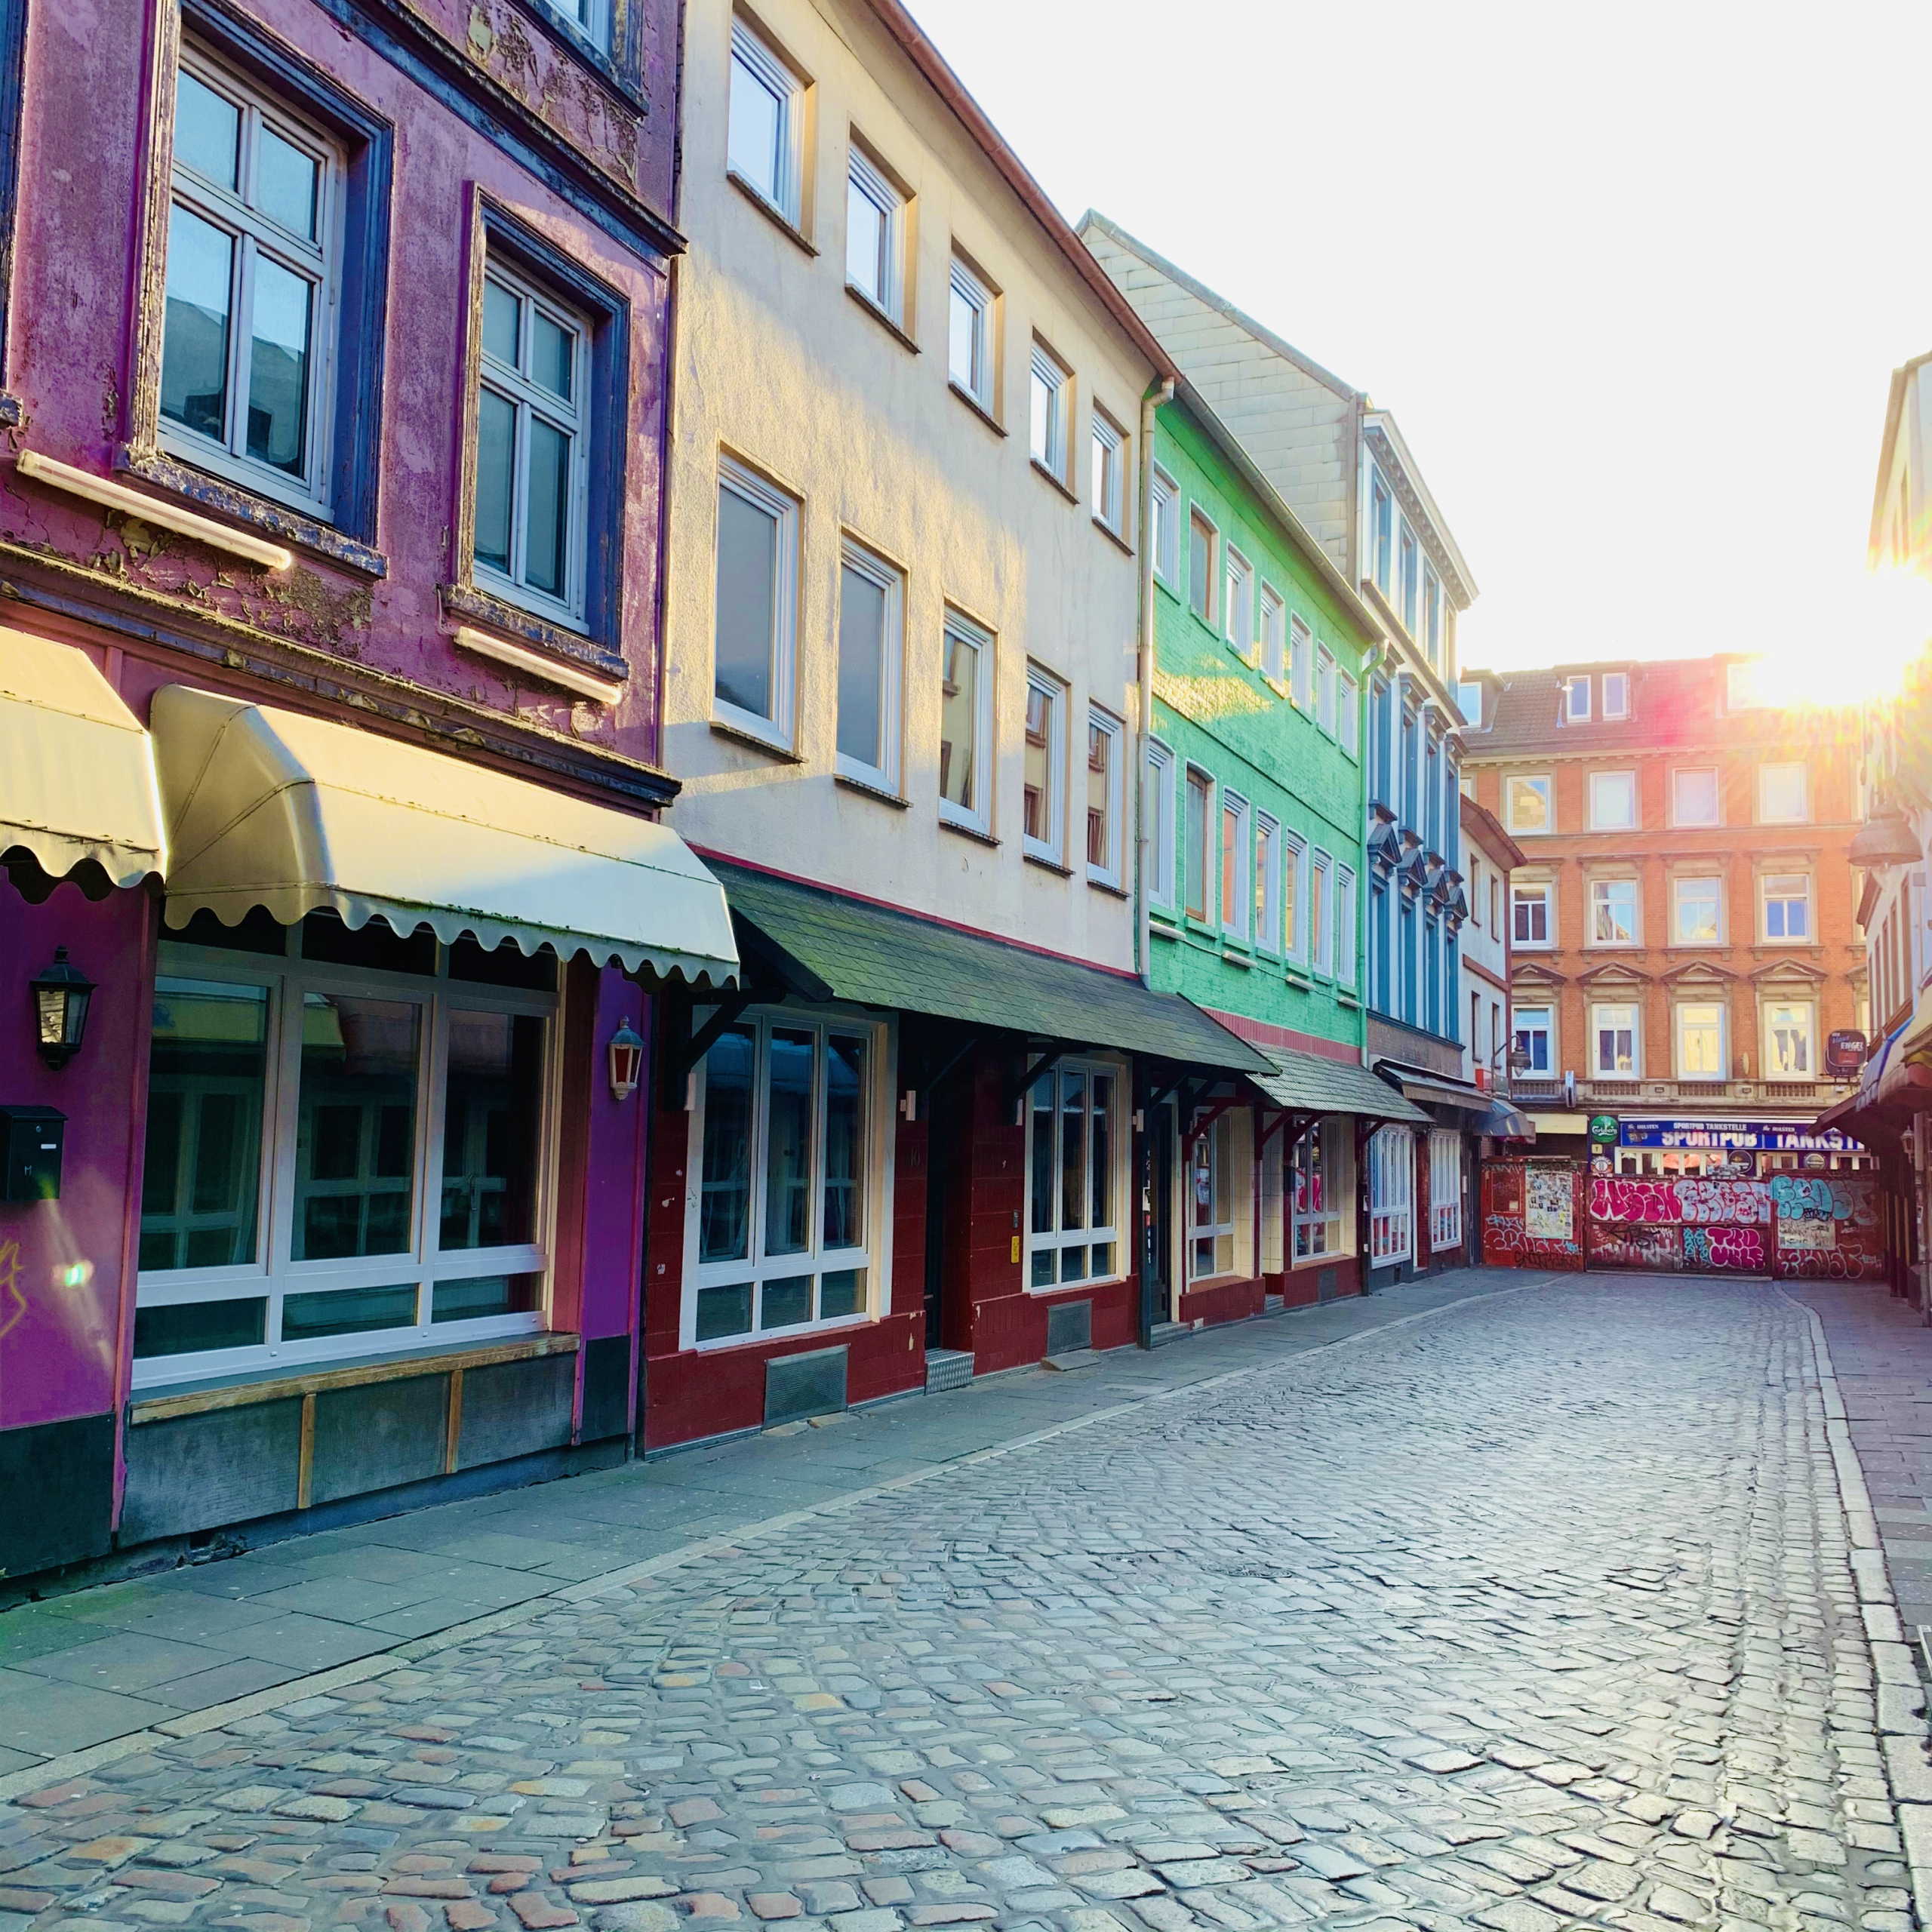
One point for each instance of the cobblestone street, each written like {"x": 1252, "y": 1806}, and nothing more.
{"x": 1539, "y": 1611}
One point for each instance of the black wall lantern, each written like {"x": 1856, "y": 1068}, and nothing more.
{"x": 61, "y": 995}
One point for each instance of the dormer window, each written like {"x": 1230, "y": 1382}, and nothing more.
{"x": 1616, "y": 694}
{"x": 1577, "y": 700}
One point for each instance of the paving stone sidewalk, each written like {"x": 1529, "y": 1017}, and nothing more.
{"x": 101, "y": 1663}
{"x": 1539, "y": 1614}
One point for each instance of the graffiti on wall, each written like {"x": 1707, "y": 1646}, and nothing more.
{"x": 1828, "y": 1227}
{"x": 1658, "y": 1250}
{"x": 1741, "y": 1250}
{"x": 1690, "y": 1198}
{"x": 1548, "y": 1213}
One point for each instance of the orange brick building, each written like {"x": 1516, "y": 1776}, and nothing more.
{"x": 1682, "y": 934}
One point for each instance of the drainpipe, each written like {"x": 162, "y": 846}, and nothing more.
{"x": 1161, "y": 391}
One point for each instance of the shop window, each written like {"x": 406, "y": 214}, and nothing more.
{"x": 782, "y": 1211}
{"x": 1212, "y": 1205}
{"x": 1322, "y": 1193}
{"x": 346, "y": 1153}
{"x": 1391, "y": 1188}
{"x": 1445, "y": 1189}
{"x": 1074, "y": 1150}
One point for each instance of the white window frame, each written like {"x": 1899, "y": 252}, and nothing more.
{"x": 1106, "y": 870}
{"x": 1165, "y": 509}
{"x": 1238, "y": 901}
{"x": 1600, "y": 1023}
{"x": 1616, "y": 696}
{"x": 271, "y": 1273}
{"x": 1600, "y": 781}
{"x": 1445, "y": 1189}
{"x": 1207, "y": 610}
{"x": 1301, "y": 665}
{"x": 1803, "y": 815}
{"x": 1683, "y": 1070}
{"x": 765, "y": 495}
{"x": 1053, "y": 1245}
{"x": 1676, "y": 778}
{"x": 589, "y": 19}
{"x": 1576, "y": 699}
{"x": 1392, "y": 1193}
{"x": 1342, "y": 919}
{"x": 872, "y": 1256}
{"x": 1267, "y": 877}
{"x": 1518, "y": 785}
{"x": 1040, "y": 683}
{"x": 1409, "y": 585}
{"x": 763, "y": 66}
{"x": 1210, "y": 851}
{"x": 1321, "y": 910}
{"x": 1525, "y": 895}
{"x": 1347, "y": 698}
{"x": 1321, "y": 1194}
{"x": 960, "y": 630}
{"x": 1807, "y": 1009}
{"x": 1765, "y": 896}
{"x": 1324, "y": 689}
{"x": 1602, "y": 904}
{"x": 1273, "y": 634}
{"x": 1161, "y": 781}
{"x": 1237, "y": 602}
{"x": 1382, "y": 531}
{"x": 854, "y": 556}
{"x": 1050, "y": 395}
{"x": 866, "y": 180}
{"x": 1294, "y": 879}
{"x": 1715, "y": 881}
{"x": 1527, "y": 1025}
{"x": 967, "y": 292}
{"x": 1109, "y": 447}
{"x": 256, "y": 234}
{"x": 1432, "y": 614}
{"x": 1468, "y": 702}
{"x": 1223, "y": 1141}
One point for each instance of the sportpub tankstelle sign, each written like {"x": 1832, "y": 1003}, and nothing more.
{"x": 1766, "y": 1136}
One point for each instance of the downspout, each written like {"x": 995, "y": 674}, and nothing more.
{"x": 1161, "y": 391}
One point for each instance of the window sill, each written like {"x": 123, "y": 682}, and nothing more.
{"x": 1047, "y": 863}
{"x": 204, "y": 493}
{"x": 978, "y": 834}
{"x": 1234, "y": 954}
{"x": 867, "y": 787}
{"x": 1348, "y": 1000}
{"x": 1320, "y": 1260}
{"x": 1113, "y": 536}
{"x": 590, "y": 54}
{"x": 767, "y": 1338}
{"x": 1159, "y": 928}
{"x": 743, "y": 734}
{"x": 778, "y": 218}
{"x": 885, "y": 320}
{"x": 465, "y": 604}
{"x": 978, "y": 408}
{"x": 1299, "y": 977}
{"x": 1108, "y": 886}
{"x": 1173, "y": 590}
{"x": 1060, "y": 483}
{"x": 1074, "y": 1288}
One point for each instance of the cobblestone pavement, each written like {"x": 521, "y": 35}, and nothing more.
{"x": 1537, "y": 1613}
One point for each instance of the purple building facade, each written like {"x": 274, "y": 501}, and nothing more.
{"x": 334, "y": 358}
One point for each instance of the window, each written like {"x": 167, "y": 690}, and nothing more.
{"x": 1613, "y": 1042}
{"x": 1700, "y": 1050}
{"x": 1345, "y": 926}
{"x": 1075, "y": 1186}
{"x": 965, "y": 725}
{"x": 1431, "y": 615}
{"x": 1612, "y": 801}
{"x": 1347, "y": 711}
{"x": 1301, "y": 664}
{"x": 1527, "y": 802}
{"x": 1200, "y": 811}
{"x": 1788, "y": 1053}
{"x": 1047, "y": 413}
{"x": 1613, "y": 911}
{"x": 1577, "y": 700}
{"x": 342, "y": 1159}
{"x": 1787, "y": 906}
{"x": 1160, "y": 834}
{"x": 1294, "y": 893}
{"x": 1274, "y": 636}
{"x": 1267, "y": 883}
{"x": 875, "y": 236}
{"x": 1382, "y": 517}
{"x": 1475, "y": 891}
{"x": 1105, "y": 767}
{"x": 1322, "y": 1189}
{"x": 1109, "y": 466}
{"x": 1411, "y": 580}
{"x": 1740, "y": 688}
{"x": 757, "y": 605}
{"x": 763, "y": 148}
{"x": 871, "y": 603}
{"x": 247, "y": 362}
{"x": 1616, "y": 694}
{"x": 591, "y": 18}
{"x": 781, "y": 1218}
{"x": 1534, "y": 1034}
{"x": 1392, "y": 1185}
{"x": 1213, "y": 1177}
{"x": 1167, "y": 528}
{"x": 970, "y": 344}
{"x": 1234, "y": 866}
{"x": 1445, "y": 1189}
{"x": 1201, "y": 567}
{"x": 1043, "y": 794}
{"x": 1697, "y": 907}
{"x": 1693, "y": 797}
{"x": 1237, "y": 607}
{"x": 1324, "y": 690}
{"x": 1321, "y": 928}
{"x": 1532, "y": 915}
{"x": 1468, "y": 702}
{"x": 1781, "y": 795}
{"x": 1496, "y": 906}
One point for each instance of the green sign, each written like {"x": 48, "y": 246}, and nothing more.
{"x": 1603, "y": 1127}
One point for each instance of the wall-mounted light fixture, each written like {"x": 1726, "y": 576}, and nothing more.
{"x": 627, "y": 1061}
{"x": 61, "y": 995}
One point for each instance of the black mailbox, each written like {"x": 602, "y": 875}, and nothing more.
{"x": 32, "y": 1137}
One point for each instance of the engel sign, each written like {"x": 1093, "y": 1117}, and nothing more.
{"x": 1844, "y": 1054}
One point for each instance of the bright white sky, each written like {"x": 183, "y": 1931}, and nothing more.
{"x": 1633, "y": 280}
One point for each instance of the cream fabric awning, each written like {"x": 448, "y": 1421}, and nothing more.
{"x": 268, "y": 807}
{"x": 77, "y": 779}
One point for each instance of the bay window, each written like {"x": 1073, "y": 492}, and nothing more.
{"x": 1321, "y": 1192}
{"x": 1445, "y": 1189}
{"x": 1392, "y": 1187}
{"x": 1076, "y": 1185}
{"x": 780, "y": 1223}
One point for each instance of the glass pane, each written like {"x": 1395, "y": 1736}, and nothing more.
{"x": 1073, "y": 1264}
{"x": 959, "y": 722}
{"x": 1099, "y": 788}
{"x": 346, "y": 1312}
{"x": 285, "y": 184}
{"x": 1041, "y": 423}
{"x": 1037, "y": 778}
{"x": 724, "y": 1310}
{"x": 207, "y": 130}
{"x": 786, "y": 1303}
{"x": 1073, "y": 1150}
{"x": 194, "y": 350}
{"x": 1224, "y": 1254}
{"x": 496, "y": 477}
{"x": 1102, "y": 1132}
{"x": 1224, "y": 1174}
{"x": 1103, "y": 1259}
{"x": 865, "y": 242}
{"x": 492, "y": 1118}
{"x": 1044, "y": 1165}
{"x": 502, "y": 311}
{"x": 788, "y": 1164}
{"x": 278, "y": 368}
{"x": 1201, "y": 1167}
{"x": 1042, "y": 1267}
{"x": 208, "y": 1081}
{"x": 757, "y": 129}
{"x": 355, "y": 1130}
{"x": 724, "y": 1193}
{"x": 546, "y": 545}
{"x": 488, "y": 1294}
{"x": 747, "y": 602}
{"x": 844, "y": 1142}
{"x": 962, "y": 361}
{"x": 552, "y": 354}
{"x": 842, "y": 1292}
{"x": 861, "y": 614}
{"x": 194, "y": 1326}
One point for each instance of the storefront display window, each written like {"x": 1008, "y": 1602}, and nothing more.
{"x": 1074, "y": 1191}
{"x": 1445, "y": 1189}
{"x": 1392, "y": 1186}
{"x": 1323, "y": 1190}
{"x": 1211, "y": 1193}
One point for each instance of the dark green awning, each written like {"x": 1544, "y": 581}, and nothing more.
{"x": 876, "y": 956}
{"x": 1308, "y": 1083}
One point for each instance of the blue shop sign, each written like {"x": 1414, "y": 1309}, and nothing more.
{"x": 1764, "y": 1136}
